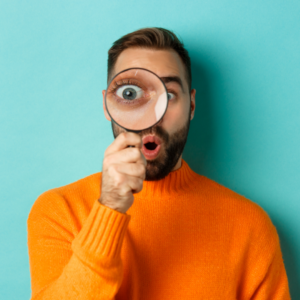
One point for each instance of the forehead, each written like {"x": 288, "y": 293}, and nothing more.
{"x": 164, "y": 63}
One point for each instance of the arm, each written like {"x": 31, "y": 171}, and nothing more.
{"x": 262, "y": 268}
{"x": 271, "y": 272}
{"x": 69, "y": 260}
{"x": 87, "y": 266}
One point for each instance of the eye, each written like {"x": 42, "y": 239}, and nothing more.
{"x": 170, "y": 96}
{"x": 129, "y": 92}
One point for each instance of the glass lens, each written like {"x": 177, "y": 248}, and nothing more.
{"x": 136, "y": 99}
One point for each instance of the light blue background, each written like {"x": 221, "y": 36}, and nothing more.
{"x": 245, "y": 135}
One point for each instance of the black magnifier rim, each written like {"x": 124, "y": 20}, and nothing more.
{"x": 131, "y": 130}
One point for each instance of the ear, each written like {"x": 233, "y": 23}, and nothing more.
{"x": 193, "y": 103}
{"x": 104, "y": 107}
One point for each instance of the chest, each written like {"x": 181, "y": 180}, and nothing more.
{"x": 184, "y": 259}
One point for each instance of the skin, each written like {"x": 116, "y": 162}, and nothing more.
{"x": 164, "y": 63}
{"x": 124, "y": 168}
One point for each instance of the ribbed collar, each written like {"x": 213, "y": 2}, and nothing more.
{"x": 178, "y": 181}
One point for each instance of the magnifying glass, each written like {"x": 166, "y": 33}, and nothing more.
{"x": 136, "y": 99}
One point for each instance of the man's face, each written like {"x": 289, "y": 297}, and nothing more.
{"x": 163, "y": 143}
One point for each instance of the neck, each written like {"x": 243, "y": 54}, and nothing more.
{"x": 178, "y": 164}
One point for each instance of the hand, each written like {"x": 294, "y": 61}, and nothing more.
{"x": 123, "y": 172}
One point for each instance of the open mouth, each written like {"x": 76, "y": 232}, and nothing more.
{"x": 151, "y": 146}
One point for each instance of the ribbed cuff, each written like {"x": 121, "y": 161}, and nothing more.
{"x": 101, "y": 236}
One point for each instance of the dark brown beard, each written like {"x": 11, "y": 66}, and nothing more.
{"x": 161, "y": 166}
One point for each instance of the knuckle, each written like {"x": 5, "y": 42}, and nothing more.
{"x": 112, "y": 170}
{"x": 137, "y": 138}
{"x": 136, "y": 152}
{"x": 106, "y": 161}
{"x": 140, "y": 142}
{"x": 106, "y": 153}
{"x": 124, "y": 189}
{"x": 124, "y": 192}
{"x": 124, "y": 135}
{"x": 119, "y": 180}
{"x": 121, "y": 138}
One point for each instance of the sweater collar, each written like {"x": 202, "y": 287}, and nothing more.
{"x": 178, "y": 181}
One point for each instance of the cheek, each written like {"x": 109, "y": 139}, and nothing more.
{"x": 176, "y": 116}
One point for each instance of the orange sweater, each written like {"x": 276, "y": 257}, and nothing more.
{"x": 184, "y": 237}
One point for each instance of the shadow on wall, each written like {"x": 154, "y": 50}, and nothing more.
{"x": 201, "y": 133}
{"x": 200, "y": 145}
{"x": 290, "y": 255}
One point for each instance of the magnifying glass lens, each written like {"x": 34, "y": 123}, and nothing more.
{"x": 136, "y": 99}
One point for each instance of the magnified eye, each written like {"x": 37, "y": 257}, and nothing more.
{"x": 129, "y": 92}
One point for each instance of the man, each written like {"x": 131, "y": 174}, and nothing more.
{"x": 147, "y": 226}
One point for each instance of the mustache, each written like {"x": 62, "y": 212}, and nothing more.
{"x": 158, "y": 131}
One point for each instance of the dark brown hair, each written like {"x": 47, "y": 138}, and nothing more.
{"x": 155, "y": 38}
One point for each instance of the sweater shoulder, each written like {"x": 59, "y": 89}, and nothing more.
{"x": 68, "y": 200}
{"x": 238, "y": 207}
{"x": 80, "y": 186}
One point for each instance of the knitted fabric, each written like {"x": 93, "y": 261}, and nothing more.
{"x": 184, "y": 237}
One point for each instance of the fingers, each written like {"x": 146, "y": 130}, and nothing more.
{"x": 131, "y": 169}
{"x": 128, "y": 155}
{"x": 134, "y": 184}
{"x": 124, "y": 184}
{"x": 124, "y": 170}
{"x": 124, "y": 140}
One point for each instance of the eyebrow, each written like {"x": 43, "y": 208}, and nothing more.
{"x": 176, "y": 79}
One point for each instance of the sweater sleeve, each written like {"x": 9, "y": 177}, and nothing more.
{"x": 87, "y": 266}
{"x": 269, "y": 274}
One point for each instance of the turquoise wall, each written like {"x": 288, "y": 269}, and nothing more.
{"x": 245, "y": 135}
